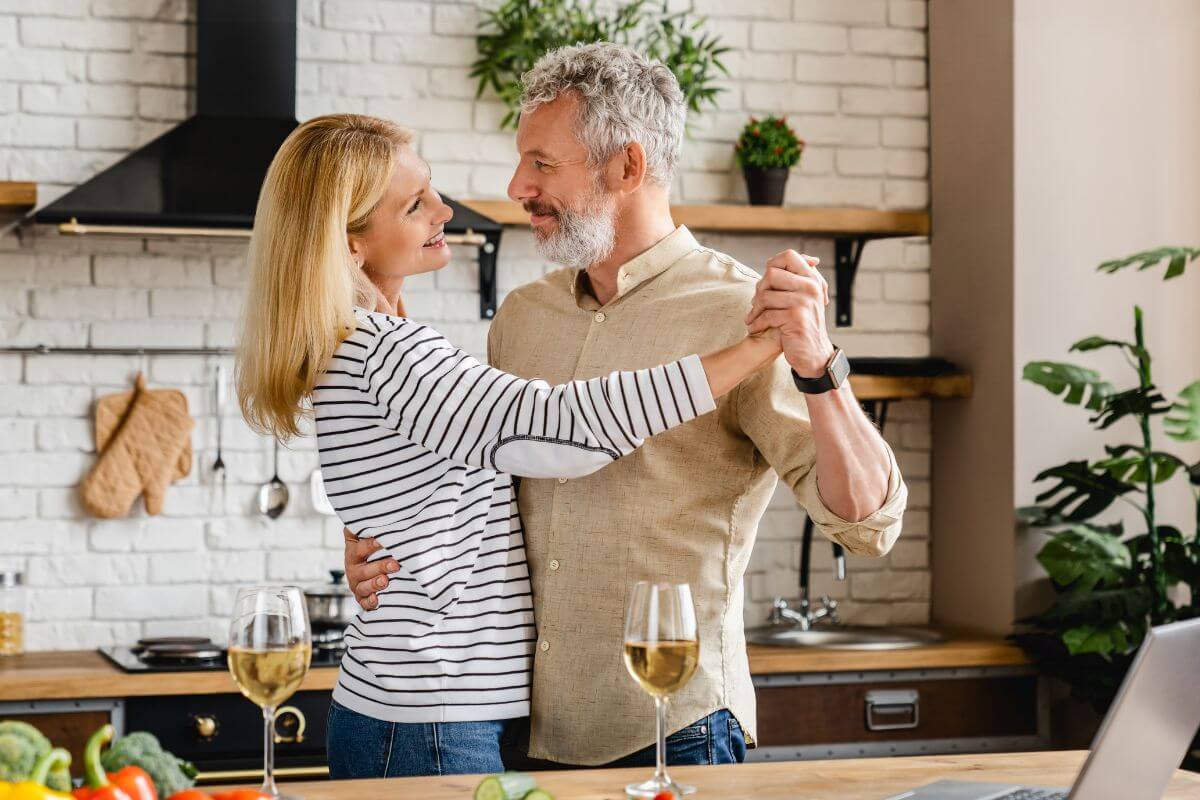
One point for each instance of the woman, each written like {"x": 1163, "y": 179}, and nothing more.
{"x": 418, "y": 442}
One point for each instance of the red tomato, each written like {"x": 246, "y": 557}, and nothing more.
{"x": 665, "y": 796}
{"x": 189, "y": 794}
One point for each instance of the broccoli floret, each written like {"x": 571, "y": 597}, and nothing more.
{"x": 141, "y": 749}
{"x": 21, "y": 745}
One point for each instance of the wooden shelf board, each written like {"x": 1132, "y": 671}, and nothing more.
{"x": 759, "y": 219}
{"x": 899, "y": 387}
{"x": 17, "y": 197}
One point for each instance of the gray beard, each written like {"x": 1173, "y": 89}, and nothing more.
{"x": 583, "y": 238}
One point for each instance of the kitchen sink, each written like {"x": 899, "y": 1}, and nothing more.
{"x": 843, "y": 637}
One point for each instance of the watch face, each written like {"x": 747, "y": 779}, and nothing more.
{"x": 839, "y": 370}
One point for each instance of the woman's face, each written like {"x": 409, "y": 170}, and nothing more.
{"x": 404, "y": 233}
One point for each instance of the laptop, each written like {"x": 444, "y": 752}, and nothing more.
{"x": 1142, "y": 740}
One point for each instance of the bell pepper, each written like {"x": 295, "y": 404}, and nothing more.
{"x": 33, "y": 788}
{"x": 127, "y": 783}
{"x": 190, "y": 794}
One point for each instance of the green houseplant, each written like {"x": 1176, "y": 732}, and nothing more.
{"x": 766, "y": 151}
{"x": 1110, "y": 583}
{"x": 516, "y": 33}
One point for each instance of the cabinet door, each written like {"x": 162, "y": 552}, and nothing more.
{"x": 838, "y": 713}
{"x": 70, "y": 728}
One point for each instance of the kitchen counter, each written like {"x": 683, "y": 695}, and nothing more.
{"x": 851, "y": 779}
{"x": 69, "y": 674}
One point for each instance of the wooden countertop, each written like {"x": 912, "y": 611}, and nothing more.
{"x": 85, "y": 673}
{"x": 851, "y": 779}
{"x": 954, "y": 652}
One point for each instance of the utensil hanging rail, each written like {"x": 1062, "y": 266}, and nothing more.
{"x": 47, "y": 350}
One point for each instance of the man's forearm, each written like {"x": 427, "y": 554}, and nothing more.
{"x": 852, "y": 460}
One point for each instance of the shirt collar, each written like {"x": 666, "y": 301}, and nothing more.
{"x": 641, "y": 268}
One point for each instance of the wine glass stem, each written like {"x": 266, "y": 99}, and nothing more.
{"x": 660, "y": 769}
{"x": 268, "y": 786}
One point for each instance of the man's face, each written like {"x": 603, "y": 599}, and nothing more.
{"x": 570, "y": 209}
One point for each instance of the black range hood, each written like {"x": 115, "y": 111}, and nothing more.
{"x": 202, "y": 178}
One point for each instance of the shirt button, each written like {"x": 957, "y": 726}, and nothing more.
{"x": 562, "y": 480}
{"x": 599, "y": 316}
{"x": 544, "y": 646}
{"x": 554, "y": 563}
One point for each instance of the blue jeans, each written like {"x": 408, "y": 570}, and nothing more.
{"x": 715, "y": 739}
{"x": 364, "y": 747}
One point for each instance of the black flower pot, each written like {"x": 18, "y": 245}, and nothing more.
{"x": 765, "y": 186}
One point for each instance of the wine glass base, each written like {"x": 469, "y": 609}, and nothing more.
{"x": 654, "y": 786}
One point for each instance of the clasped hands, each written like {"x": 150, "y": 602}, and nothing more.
{"x": 789, "y": 302}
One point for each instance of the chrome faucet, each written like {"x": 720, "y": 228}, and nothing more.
{"x": 805, "y": 616}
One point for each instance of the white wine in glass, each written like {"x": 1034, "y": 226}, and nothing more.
{"x": 270, "y": 646}
{"x": 662, "y": 647}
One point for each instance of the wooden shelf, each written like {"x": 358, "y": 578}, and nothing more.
{"x": 903, "y": 387}
{"x": 834, "y": 222}
{"x": 17, "y": 197}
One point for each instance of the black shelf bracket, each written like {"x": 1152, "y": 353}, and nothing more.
{"x": 487, "y": 274}
{"x": 847, "y": 252}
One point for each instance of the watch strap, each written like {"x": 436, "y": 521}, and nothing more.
{"x": 826, "y": 380}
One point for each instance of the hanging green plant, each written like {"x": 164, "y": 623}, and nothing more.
{"x": 1110, "y": 587}
{"x": 515, "y": 34}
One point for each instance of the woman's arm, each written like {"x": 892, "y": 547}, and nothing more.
{"x": 436, "y": 395}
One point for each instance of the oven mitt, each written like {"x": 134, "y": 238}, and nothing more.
{"x": 142, "y": 455}
{"x": 111, "y": 409}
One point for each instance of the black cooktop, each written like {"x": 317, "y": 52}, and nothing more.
{"x": 191, "y": 654}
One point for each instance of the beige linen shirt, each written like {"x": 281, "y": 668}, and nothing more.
{"x": 683, "y": 508}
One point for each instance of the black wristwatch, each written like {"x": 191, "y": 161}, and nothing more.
{"x": 837, "y": 369}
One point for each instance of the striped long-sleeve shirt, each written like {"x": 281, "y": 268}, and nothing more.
{"x": 418, "y": 442}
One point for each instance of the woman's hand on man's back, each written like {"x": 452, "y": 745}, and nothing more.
{"x": 365, "y": 577}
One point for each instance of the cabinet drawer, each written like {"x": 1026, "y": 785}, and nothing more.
{"x": 898, "y": 710}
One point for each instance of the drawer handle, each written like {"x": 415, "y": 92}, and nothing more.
{"x": 893, "y": 703}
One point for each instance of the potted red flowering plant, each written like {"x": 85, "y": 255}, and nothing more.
{"x": 766, "y": 151}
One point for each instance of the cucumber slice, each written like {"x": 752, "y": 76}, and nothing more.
{"x": 539, "y": 794}
{"x": 506, "y": 786}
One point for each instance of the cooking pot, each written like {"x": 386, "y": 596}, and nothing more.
{"x": 331, "y": 606}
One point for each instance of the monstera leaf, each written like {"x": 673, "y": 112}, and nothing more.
{"x": 1080, "y": 493}
{"x": 1177, "y": 259}
{"x": 1073, "y": 382}
{"x": 1083, "y": 559}
{"x": 1099, "y": 343}
{"x": 1142, "y": 401}
{"x": 1103, "y": 640}
{"x": 1183, "y": 423}
{"x": 1098, "y": 607}
{"x": 1127, "y": 463}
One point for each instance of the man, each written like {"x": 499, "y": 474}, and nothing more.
{"x": 599, "y": 138}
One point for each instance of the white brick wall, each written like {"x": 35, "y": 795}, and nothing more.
{"x": 84, "y": 81}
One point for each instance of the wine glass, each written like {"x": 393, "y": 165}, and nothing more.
{"x": 269, "y": 649}
{"x": 661, "y": 651}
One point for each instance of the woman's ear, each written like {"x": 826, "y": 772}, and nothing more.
{"x": 358, "y": 249}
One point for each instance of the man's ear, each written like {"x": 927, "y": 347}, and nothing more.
{"x": 632, "y": 162}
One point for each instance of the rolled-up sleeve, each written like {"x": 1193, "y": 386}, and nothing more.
{"x": 774, "y": 415}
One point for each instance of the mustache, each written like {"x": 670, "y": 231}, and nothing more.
{"x": 539, "y": 209}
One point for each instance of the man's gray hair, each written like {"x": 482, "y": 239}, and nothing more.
{"x": 624, "y": 98}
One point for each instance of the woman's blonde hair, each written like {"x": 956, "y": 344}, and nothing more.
{"x": 326, "y": 179}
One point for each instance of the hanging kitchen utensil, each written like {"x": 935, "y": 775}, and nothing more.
{"x": 218, "y": 467}
{"x": 320, "y": 500}
{"x": 273, "y": 495}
